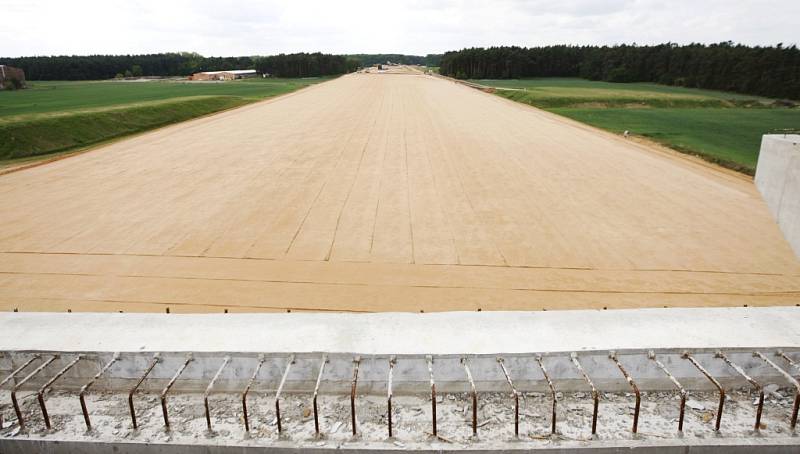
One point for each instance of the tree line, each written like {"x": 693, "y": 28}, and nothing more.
{"x": 772, "y": 71}
{"x": 97, "y": 67}
{"x": 374, "y": 59}
{"x": 305, "y": 65}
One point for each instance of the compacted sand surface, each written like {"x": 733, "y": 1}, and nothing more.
{"x": 385, "y": 192}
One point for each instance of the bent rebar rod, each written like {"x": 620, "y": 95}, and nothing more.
{"x": 156, "y": 359}
{"x": 225, "y": 362}
{"x": 44, "y": 388}
{"x": 595, "y": 394}
{"x": 392, "y": 361}
{"x": 755, "y": 384}
{"x": 713, "y": 380}
{"x": 278, "y": 394}
{"x": 429, "y": 359}
{"x": 514, "y": 394}
{"x": 189, "y": 359}
{"x": 552, "y": 391}
{"x": 316, "y": 393}
{"x": 629, "y": 379}
{"x": 16, "y": 388}
{"x": 683, "y": 393}
{"x": 353, "y": 384}
{"x": 247, "y": 390}
{"x": 791, "y": 362}
{"x": 85, "y": 388}
{"x": 791, "y": 380}
{"x": 14, "y": 374}
{"x": 19, "y": 369}
{"x": 474, "y": 393}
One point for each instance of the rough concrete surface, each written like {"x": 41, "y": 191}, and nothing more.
{"x": 412, "y": 423}
{"x": 378, "y": 192}
{"x": 778, "y": 179}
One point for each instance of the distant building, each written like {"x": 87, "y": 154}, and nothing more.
{"x": 8, "y": 74}
{"x": 224, "y": 75}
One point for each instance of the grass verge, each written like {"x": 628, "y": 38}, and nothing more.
{"x": 63, "y": 117}
{"x": 50, "y": 134}
{"x": 723, "y": 128}
{"x": 730, "y": 137}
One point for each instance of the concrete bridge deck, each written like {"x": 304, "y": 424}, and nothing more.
{"x": 360, "y": 363}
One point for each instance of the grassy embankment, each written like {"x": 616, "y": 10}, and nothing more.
{"x": 58, "y": 117}
{"x": 720, "y": 127}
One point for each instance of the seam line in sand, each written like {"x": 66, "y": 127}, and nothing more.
{"x": 425, "y": 265}
{"x": 361, "y": 284}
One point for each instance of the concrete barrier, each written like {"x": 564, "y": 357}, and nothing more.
{"x": 778, "y": 180}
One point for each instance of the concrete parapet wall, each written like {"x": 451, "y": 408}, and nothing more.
{"x": 552, "y": 407}
{"x": 451, "y": 333}
{"x": 778, "y": 180}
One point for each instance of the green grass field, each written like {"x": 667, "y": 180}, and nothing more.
{"x": 52, "y": 117}
{"x": 721, "y": 127}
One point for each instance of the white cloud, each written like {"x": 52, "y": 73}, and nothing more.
{"x": 249, "y": 27}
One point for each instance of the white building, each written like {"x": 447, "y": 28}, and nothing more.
{"x": 224, "y": 75}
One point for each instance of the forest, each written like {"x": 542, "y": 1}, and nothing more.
{"x": 99, "y": 67}
{"x": 374, "y": 59}
{"x": 772, "y": 71}
{"x": 305, "y": 65}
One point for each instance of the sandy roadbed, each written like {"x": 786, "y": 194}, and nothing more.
{"x": 378, "y": 192}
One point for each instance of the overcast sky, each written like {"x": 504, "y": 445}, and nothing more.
{"x": 263, "y": 27}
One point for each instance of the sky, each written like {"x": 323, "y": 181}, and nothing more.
{"x": 419, "y": 27}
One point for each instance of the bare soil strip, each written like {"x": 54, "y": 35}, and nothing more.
{"x": 378, "y": 192}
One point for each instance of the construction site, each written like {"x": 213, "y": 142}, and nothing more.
{"x": 395, "y": 261}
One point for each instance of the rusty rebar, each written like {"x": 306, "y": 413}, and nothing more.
{"x": 720, "y": 354}
{"x": 14, "y": 374}
{"x": 46, "y": 386}
{"x": 429, "y": 359}
{"x": 19, "y": 369}
{"x": 85, "y": 388}
{"x": 629, "y": 379}
{"x": 552, "y": 392}
{"x": 684, "y": 393}
{"x": 595, "y": 393}
{"x": 713, "y": 380}
{"x": 791, "y": 380}
{"x": 514, "y": 394}
{"x": 681, "y": 389}
{"x": 156, "y": 359}
{"x": 353, "y": 385}
{"x": 166, "y": 389}
{"x": 781, "y": 354}
{"x": 474, "y": 393}
{"x": 791, "y": 362}
{"x": 225, "y": 362}
{"x": 316, "y": 392}
{"x": 392, "y": 361}
{"x": 247, "y": 390}
{"x": 278, "y": 394}
{"x": 14, "y": 390}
